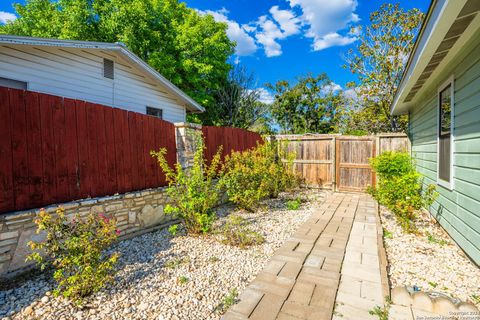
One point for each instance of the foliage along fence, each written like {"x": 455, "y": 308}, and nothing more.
{"x": 54, "y": 149}
{"x": 232, "y": 139}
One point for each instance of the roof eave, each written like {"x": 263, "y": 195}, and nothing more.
{"x": 193, "y": 106}
{"x": 440, "y": 17}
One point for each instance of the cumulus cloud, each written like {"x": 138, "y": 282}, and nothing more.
{"x": 245, "y": 43}
{"x": 268, "y": 35}
{"x": 326, "y": 19}
{"x": 332, "y": 40}
{"x": 286, "y": 19}
{"x": 332, "y": 87}
{"x": 280, "y": 25}
{"x": 6, "y": 17}
{"x": 265, "y": 96}
{"x": 328, "y": 22}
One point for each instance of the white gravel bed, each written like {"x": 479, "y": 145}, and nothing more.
{"x": 429, "y": 259}
{"x": 161, "y": 277}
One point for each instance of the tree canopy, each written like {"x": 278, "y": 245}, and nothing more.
{"x": 310, "y": 105}
{"x": 238, "y": 101}
{"x": 190, "y": 49}
{"x": 379, "y": 61}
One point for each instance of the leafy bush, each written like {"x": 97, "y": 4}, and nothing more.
{"x": 76, "y": 250}
{"x": 400, "y": 187}
{"x": 193, "y": 192}
{"x": 294, "y": 204}
{"x": 237, "y": 232}
{"x": 256, "y": 174}
{"x": 173, "y": 229}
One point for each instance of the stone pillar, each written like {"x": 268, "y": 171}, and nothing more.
{"x": 186, "y": 135}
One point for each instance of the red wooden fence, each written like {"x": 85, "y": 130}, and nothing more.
{"x": 54, "y": 149}
{"x": 232, "y": 139}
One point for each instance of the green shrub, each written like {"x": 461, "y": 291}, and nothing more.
{"x": 294, "y": 204}
{"x": 400, "y": 187}
{"x": 193, "y": 192}
{"x": 237, "y": 232}
{"x": 76, "y": 250}
{"x": 256, "y": 174}
{"x": 173, "y": 229}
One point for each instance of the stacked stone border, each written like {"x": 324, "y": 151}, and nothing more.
{"x": 136, "y": 213}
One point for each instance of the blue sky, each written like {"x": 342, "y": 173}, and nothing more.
{"x": 283, "y": 39}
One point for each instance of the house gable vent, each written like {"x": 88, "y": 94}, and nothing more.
{"x": 108, "y": 69}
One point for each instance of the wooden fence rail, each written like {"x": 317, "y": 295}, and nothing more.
{"x": 54, "y": 149}
{"x": 339, "y": 162}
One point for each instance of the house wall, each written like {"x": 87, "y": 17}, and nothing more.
{"x": 457, "y": 210}
{"x": 78, "y": 74}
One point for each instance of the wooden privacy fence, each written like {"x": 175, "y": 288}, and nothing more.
{"x": 339, "y": 162}
{"x": 54, "y": 149}
{"x": 232, "y": 139}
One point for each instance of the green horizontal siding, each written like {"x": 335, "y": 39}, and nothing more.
{"x": 458, "y": 211}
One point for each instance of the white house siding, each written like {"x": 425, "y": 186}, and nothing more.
{"x": 78, "y": 74}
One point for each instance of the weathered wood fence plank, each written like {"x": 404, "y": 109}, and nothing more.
{"x": 339, "y": 162}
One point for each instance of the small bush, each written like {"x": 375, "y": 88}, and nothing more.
{"x": 193, "y": 192}
{"x": 237, "y": 232}
{"x": 256, "y": 174}
{"x": 294, "y": 204}
{"x": 76, "y": 250}
{"x": 400, "y": 187}
{"x": 173, "y": 229}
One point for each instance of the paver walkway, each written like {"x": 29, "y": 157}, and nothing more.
{"x": 332, "y": 260}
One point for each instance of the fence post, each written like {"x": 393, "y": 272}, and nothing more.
{"x": 377, "y": 145}
{"x": 186, "y": 135}
{"x": 334, "y": 163}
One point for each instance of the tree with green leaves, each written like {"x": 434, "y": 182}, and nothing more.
{"x": 379, "y": 61}
{"x": 312, "y": 105}
{"x": 190, "y": 49}
{"x": 237, "y": 102}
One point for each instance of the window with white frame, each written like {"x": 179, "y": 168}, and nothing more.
{"x": 445, "y": 134}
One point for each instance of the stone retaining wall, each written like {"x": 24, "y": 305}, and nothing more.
{"x": 136, "y": 213}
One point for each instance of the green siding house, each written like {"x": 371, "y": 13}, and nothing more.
{"x": 440, "y": 91}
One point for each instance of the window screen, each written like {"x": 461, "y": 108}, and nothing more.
{"x": 108, "y": 69}
{"x": 445, "y": 133}
{"x": 14, "y": 84}
{"x": 155, "y": 112}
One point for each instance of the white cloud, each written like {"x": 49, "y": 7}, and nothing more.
{"x": 245, "y": 43}
{"x": 268, "y": 36}
{"x": 325, "y": 19}
{"x": 332, "y": 87}
{"x": 281, "y": 25}
{"x": 6, "y": 17}
{"x": 287, "y": 21}
{"x": 332, "y": 40}
{"x": 265, "y": 96}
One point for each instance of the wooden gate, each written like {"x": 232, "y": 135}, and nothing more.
{"x": 353, "y": 171}
{"x": 337, "y": 162}
{"x": 314, "y": 158}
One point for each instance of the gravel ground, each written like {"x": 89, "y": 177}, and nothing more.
{"x": 429, "y": 260}
{"x": 161, "y": 277}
